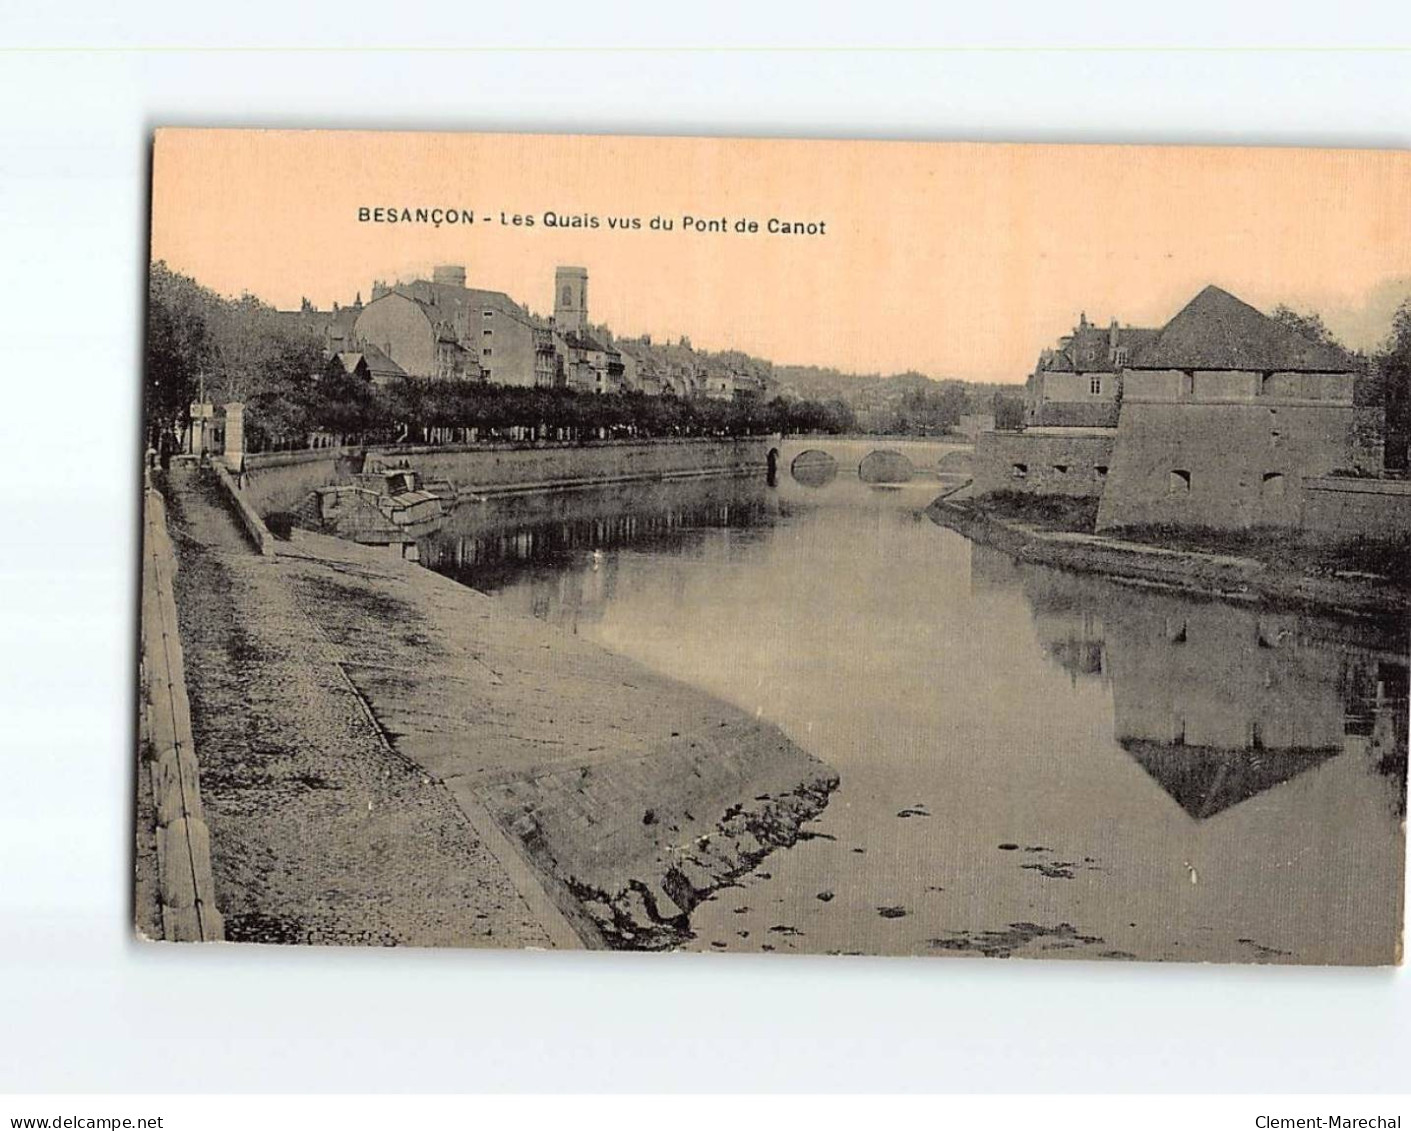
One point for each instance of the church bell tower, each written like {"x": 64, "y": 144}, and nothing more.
{"x": 571, "y": 299}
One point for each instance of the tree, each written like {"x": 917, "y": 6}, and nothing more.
{"x": 1009, "y": 413}
{"x": 345, "y": 404}
{"x": 1392, "y": 367}
{"x": 179, "y": 351}
{"x": 1309, "y": 325}
{"x": 261, "y": 351}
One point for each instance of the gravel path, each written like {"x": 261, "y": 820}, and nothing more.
{"x": 321, "y": 832}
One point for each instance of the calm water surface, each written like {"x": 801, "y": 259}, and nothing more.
{"x": 1033, "y": 762}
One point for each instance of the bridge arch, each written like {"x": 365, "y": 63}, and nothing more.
{"x": 813, "y": 468}
{"x": 885, "y": 465}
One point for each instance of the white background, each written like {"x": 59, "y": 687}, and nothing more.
{"x": 82, "y": 1007}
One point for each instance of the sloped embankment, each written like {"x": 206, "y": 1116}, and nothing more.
{"x": 626, "y": 796}
{"x": 640, "y": 842}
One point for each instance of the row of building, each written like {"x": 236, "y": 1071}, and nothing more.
{"x": 442, "y": 329}
{"x": 1223, "y": 418}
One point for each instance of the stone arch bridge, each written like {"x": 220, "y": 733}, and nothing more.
{"x": 875, "y": 459}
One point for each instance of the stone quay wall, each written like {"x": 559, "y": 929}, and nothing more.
{"x": 280, "y": 481}
{"x": 166, "y": 750}
{"x": 1044, "y": 461}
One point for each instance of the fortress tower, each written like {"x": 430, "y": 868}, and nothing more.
{"x": 571, "y": 299}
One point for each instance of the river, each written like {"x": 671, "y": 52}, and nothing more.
{"x": 1033, "y": 762}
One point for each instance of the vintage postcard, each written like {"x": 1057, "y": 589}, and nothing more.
{"x": 828, "y": 547}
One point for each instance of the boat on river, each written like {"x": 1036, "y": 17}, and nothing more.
{"x": 385, "y": 507}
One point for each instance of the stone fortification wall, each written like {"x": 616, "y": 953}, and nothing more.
{"x": 1077, "y": 414}
{"x": 1346, "y": 509}
{"x": 1242, "y": 385}
{"x": 1041, "y": 462}
{"x": 1231, "y": 465}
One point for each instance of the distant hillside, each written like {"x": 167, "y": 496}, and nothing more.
{"x": 900, "y": 402}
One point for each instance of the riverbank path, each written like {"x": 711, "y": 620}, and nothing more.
{"x": 321, "y": 832}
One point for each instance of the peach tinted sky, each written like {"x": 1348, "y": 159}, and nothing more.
{"x": 957, "y": 260}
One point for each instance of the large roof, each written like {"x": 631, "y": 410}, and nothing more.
{"x": 1215, "y": 330}
{"x": 451, "y": 299}
{"x": 1086, "y": 349}
{"x": 1205, "y": 780}
{"x": 378, "y": 363}
{"x": 450, "y": 308}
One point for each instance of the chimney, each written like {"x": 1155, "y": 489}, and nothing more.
{"x": 1112, "y": 336}
{"x": 448, "y": 274}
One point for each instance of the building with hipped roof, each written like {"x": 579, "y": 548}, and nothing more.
{"x": 1224, "y": 416}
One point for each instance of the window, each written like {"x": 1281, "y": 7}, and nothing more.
{"x": 1019, "y": 471}
{"x": 1272, "y": 485}
{"x": 1095, "y": 385}
{"x": 487, "y": 314}
{"x": 1178, "y": 483}
{"x": 1060, "y": 469}
{"x": 567, "y": 296}
{"x": 487, "y": 331}
{"x": 486, "y": 352}
{"x": 1101, "y": 470}
{"x": 1119, "y": 357}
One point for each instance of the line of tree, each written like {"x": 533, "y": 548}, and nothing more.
{"x": 203, "y": 347}
{"x": 347, "y": 409}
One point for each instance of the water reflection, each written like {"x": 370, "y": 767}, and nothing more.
{"x": 563, "y": 546}
{"x": 1217, "y": 702}
{"x": 1033, "y": 762}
